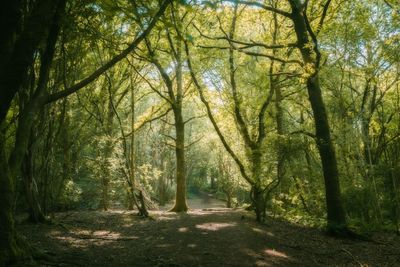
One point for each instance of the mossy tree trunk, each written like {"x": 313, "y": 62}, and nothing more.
{"x": 24, "y": 30}
{"x": 42, "y": 19}
{"x": 12, "y": 248}
{"x": 36, "y": 214}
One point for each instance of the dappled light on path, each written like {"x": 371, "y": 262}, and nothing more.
{"x": 201, "y": 237}
{"x": 183, "y": 229}
{"x": 214, "y": 226}
{"x": 274, "y": 253}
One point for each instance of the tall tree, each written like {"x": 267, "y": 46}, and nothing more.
{"x": 308, "y": 46}
{"x": 307, "y": 43}
{"x": 174, "y": 96}
{"x": 24, "y": 33}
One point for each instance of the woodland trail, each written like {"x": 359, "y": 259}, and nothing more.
{"x": 201, "y": 200}
{"x": 208, "y": 236}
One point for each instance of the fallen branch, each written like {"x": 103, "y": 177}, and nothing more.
{"x": 352, "y": 256}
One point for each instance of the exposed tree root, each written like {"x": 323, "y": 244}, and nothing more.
{"x": 178, "y": 209}
{"x": 345, "y": 233}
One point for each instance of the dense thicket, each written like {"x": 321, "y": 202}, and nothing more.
{"x": 290, "y": 108}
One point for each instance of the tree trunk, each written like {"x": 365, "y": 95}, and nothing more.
{"x": 280, "y": 164}
{"x": 66, "y": 144}
{"x": 107, "y": 152}
{"x": 228, "y": 195}
{"x": 105, "y": 182}
{"x": 258, "y": 195}
{"x": 177, "y": 107}
{"x": 129, "y": 200}
{"x": 36, "y": 214}
{"x": 161, "y": 181}
{"x": 11, "y": 246}
{"x": 336, "y": 214}
{"x": 212, "y": 182}
{"x": 22, "y": 36}
{"x": 180, "y": 196}
{"x": 309, "y": 50}
{"x": 12, "y": 71}
{"x": 259, "y": 203}
{"x": 228, "y": 200}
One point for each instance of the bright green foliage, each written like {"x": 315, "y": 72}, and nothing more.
{"x": 92, "y": 149}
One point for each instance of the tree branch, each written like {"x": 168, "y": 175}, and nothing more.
{"x": 323, "y": 16}
{"x": 195, "y": 117}
{"x": 111, "y": 62}
{"x": 258, "y": 4}
{"x": 212, "y": 119}
{"x": 246, "y": 45}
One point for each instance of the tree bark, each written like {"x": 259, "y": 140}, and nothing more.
{"x": 36, "y": 214}
{"x": 22, "y": 39}
{"x": 43, "y": 18}
{"x": 259, "y": 203}
{"x": 175, "y": 99}
{"x": 336, "y": 214}
{"x": 11, "y": 246}
{"x": 21, "y": 43}
{"x": 180, "y": 196}
{"x": 108, "y": 148}
{"x": 280, "y": 165}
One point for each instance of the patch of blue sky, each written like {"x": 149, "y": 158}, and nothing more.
{"x": 213, "y": 80}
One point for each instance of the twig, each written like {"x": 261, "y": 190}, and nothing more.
{"x": 352, "y": 256}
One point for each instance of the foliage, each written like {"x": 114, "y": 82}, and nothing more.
{"x": 90, "y": 149}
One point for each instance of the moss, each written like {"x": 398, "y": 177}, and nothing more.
{"x": 15, "y": 250}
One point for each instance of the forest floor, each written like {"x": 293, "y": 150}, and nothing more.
{"x": 208, "y": 235}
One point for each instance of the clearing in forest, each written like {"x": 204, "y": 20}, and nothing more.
{"x": 208, "y": 235}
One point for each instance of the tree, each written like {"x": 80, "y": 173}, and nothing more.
{"x": 43, "y": 23}
{"x": 174, "y": 96}
{"x": 307, "y": 44}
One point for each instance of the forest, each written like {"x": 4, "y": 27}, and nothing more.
{"x": 200, "y": 133}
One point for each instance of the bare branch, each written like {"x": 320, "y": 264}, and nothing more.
{"x": 168, "y": 123}
{"x": 163, "y": 73}
{"x": 265, "y": 7}
{"x": 195, "y": 117}
{"x": 272, "y": 57}
{"x": 168, "y": 144}
{"x": 152, "y": 87}
{"x": 168, "y": 136}
{"x": 194, "y": 142}
{"x": 323, "y": 16}
{"x": 246, "y": 45}
{"x": 243, "y": 128}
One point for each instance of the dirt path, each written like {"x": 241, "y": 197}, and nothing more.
{"x": 203, "y": 237}
{"x": 201, "y": 200}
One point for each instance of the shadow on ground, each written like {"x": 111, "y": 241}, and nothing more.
{"x": 203, "y": 237}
